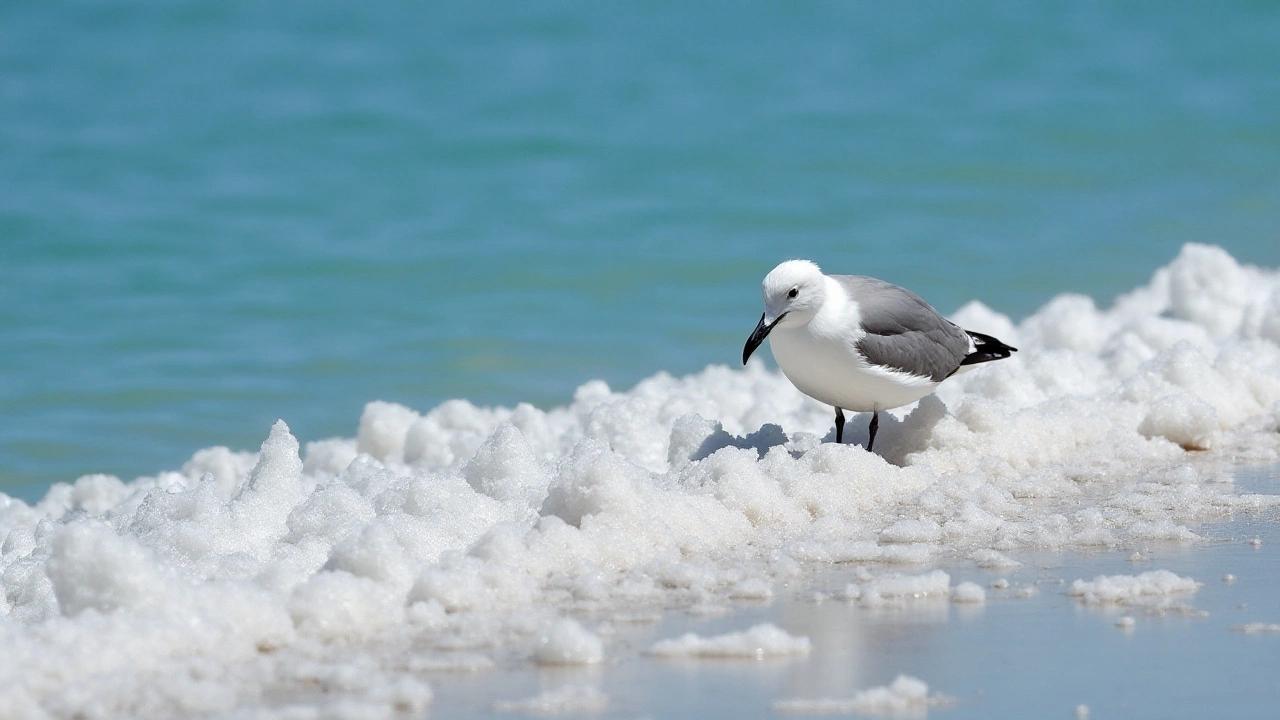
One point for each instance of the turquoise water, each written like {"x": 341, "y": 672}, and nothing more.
{"x": 215, "y": 216}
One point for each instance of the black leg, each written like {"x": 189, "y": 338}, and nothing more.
{"x": 875, "y": 425}
{"x": 839, "y": 426}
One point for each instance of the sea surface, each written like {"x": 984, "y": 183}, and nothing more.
{"x": 216, "y": 215}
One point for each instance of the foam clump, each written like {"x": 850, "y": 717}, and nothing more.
{"x": 1132, "y": 589}
{"x": 567, "y": 700}
{"x": 506, "y": 469}
{"x": 993, "y": 559}
{"x": 905, "y": 695}
{"x": 765, "y": 640}
{"x": 969, "y": 593}
{"x": 897, "y": 589}
{"x": 568, "y": 643}
{"x": 1256, "y": 628}
{"x": 244, "y": 576}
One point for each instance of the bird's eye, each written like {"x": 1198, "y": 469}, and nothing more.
{"x": 794, "y": 292}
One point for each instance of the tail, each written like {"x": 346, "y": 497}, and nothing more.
{"x": 986, "y": 349}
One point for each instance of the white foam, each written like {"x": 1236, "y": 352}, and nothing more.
{"x": 568, "y": 643}
{"x": 765, "y": 640}
{"x": 450, "y": 662}
{"x": 1132, "y": 589}
{"x": 570, "y": 699}
{"x": 905, "y": 695}
{"x": 969, "y": 593}
{"x": 993, "y": 559}
{"x": 465, "y": 527}
{"x": 1255, "y": 628}
{"x": 896, "y": 589}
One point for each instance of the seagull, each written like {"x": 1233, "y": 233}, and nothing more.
{"x": 861, "y": 344}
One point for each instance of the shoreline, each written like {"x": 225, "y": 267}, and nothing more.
{"x": 1043, "y": 653}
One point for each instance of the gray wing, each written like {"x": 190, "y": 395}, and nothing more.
{"x": 903, "y": 331}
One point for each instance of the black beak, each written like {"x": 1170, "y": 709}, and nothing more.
{"x": 758, "y": 335}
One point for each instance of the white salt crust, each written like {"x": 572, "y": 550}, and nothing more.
{"x": 567, "y": 700}
{"x": 765, "y": 640}
{"x": 896, "y": 589}
{"x": 1256, "y": 628}
{"x": 1132, "y": 589}
{"x": 568, "y": 643}
{"x": 319, "y": 572}
{"x": 993, "y": 560}
{"x": 906, "y": 695}
{"x": 969, "y": 593}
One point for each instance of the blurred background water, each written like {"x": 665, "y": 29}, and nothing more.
{"x": 216, "y": 215}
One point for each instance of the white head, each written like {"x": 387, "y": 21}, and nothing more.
{"x": 793, "y": 293}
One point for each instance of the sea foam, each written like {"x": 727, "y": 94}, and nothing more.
{"x": 315, "y": 575}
